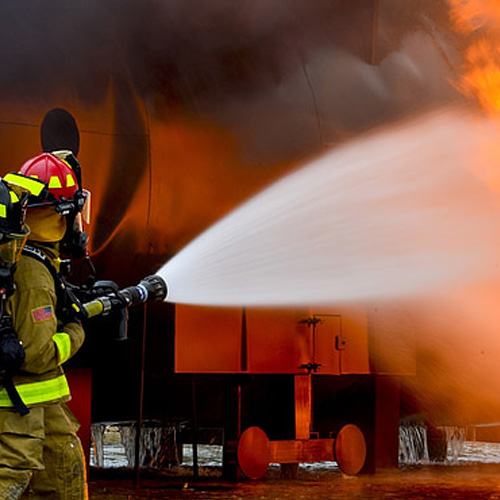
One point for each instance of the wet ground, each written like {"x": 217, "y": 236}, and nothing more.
{"x": 471, "y": 471}
{"x": 446, "y": 482}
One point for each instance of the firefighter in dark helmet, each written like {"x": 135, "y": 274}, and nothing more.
{"x": 40, "y": 453}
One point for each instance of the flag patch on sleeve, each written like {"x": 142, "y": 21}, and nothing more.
{"x": 42, "y": 313}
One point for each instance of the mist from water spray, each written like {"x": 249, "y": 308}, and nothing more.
{"x": 395, "y": 213}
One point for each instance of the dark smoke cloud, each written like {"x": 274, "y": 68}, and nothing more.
{"x": 286, "y": 77}
{"x": 178, "y": 46}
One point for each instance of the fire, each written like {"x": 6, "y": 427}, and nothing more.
{"x": 482, "y": 80}
{"x": 479, "y": 21}
{"x": 468, "y": 15}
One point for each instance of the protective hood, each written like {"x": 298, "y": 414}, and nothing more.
{"x": 46, "y": 224}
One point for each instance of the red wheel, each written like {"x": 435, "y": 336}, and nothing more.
{"x": 350, "y": 449}
{"x": 253, "y": 453}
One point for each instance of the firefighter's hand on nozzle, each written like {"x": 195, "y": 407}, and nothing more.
{"x": 69, "y": 315}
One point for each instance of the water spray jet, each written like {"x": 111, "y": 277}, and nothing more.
{"x": 396, "y": 213}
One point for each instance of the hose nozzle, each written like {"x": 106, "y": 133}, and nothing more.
{"x": 150, "y": 288}
{"x": 111, "y": 299}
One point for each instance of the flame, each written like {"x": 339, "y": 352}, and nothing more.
{"x": 479, "y": 21}
{"x": 469, "y": 15}
{"x": 482, "y": 79}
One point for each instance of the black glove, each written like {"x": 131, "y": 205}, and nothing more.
{"x": 72, "y": 311}
{"x": 11, "y": 358}
{"x": 11, "y": 350}
{"x": 67, "y": 315}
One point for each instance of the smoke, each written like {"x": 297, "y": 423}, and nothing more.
{"x": 191, "y": 49}
{"x": 159, "y": 45}
{"x": 285, "y": 78}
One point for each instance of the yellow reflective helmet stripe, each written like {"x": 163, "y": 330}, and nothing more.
{"x": 13, "y": 197}
{"x": 70, "y": 181}
{"x": 63, "y": 343}
{"x": 38, "y": 392}
{"x": 3, "y": 211}
{"x": 54, "y": 182}
{"x": 30, "y": 184}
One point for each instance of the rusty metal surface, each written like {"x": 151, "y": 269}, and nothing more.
{"x": 253, "y": 452}
{"x": 344, "y": 340}
{"x": 303, "y": 406}
{"x": 350, "y": 449}
{"x": 301, "y": 451}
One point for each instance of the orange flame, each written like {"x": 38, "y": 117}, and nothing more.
{"x": 482, "y": 79}
{"x": 479, "y": 20}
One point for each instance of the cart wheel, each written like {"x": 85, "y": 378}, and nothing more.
{"x": 253, "y": 453}
{"x": 350, "y": 449}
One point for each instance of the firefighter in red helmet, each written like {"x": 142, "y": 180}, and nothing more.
{"x": 61, "y": 171}
{"x": 40, "y": 452}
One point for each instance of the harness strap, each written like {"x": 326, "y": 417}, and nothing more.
{"x": 14, "y": 395}
{"x": 38, "y": 255}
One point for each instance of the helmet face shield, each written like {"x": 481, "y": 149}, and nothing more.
{"x": 11, "y": 247}
{"x": 78, "y": 225}
{"x": 85, "y": 210}
{"x": 75, "y": 239}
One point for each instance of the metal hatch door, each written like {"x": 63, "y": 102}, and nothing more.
{"x": 327, "y": 343}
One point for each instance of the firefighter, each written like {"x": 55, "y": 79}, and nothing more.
{"x": 13, "y": 236}
{"x": 40, "y": 452}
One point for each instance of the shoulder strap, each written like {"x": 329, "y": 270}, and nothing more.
{"x": 65, "y": 296}
{"x": 38, "y": 255}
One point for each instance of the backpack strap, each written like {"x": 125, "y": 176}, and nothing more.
{"x": 66, "y": 298}
{"x": 38, "y": 255}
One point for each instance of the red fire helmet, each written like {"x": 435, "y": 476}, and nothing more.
{"x": 58, "y": 174}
